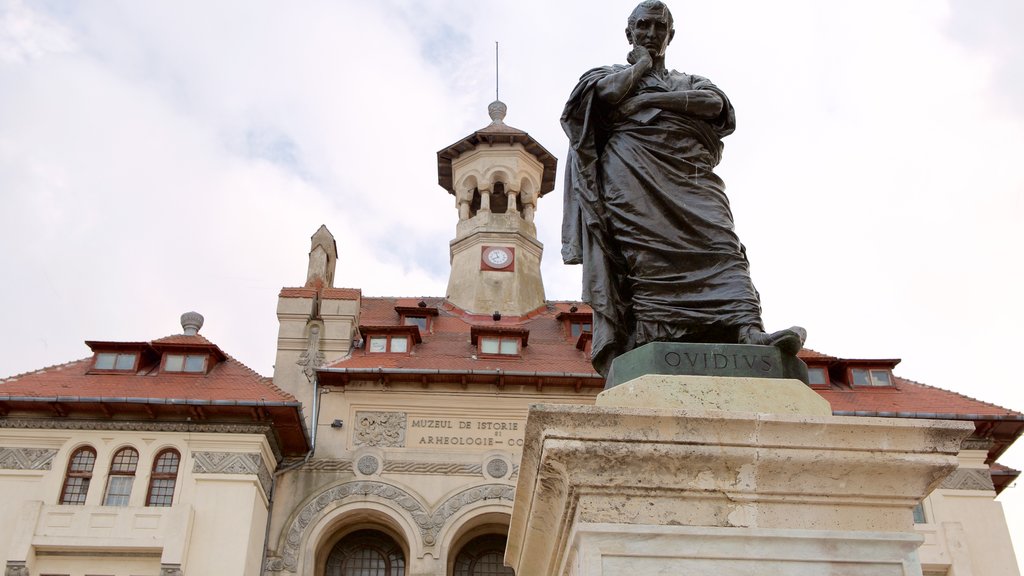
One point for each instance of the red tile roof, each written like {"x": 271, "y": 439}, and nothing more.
{"x": 228, "y": 390}
{"x": 448, "y": 345}
{"x": 226, "y": 380}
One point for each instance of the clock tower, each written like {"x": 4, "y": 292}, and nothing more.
{"x": 496, "y": 174}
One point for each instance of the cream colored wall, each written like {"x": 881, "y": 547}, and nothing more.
{"x": 966, "y": 532}
{"x": 217, "y": 520}
{"x": 228, "y": 531}
{"x": 514, "y": 292}
{"x": 339, "y": 320}
{"x": 107, "y": 565}
{"x": 450, "y": 484}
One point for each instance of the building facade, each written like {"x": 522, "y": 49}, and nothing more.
{"x": 388, "y": 440}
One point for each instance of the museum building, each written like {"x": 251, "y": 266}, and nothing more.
{"x": 388, "y": 441}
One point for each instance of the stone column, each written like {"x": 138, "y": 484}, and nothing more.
{"x": 485, "y": 198}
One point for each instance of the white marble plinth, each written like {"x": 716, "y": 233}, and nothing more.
{"x": 614, "y": 490}
{"x": 765, "y": 395}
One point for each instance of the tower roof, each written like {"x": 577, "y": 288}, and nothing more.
{"x": 497, "y": 132}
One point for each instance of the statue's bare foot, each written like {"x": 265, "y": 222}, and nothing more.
{"x": 789, "y": 341}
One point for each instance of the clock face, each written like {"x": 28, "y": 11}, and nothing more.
{"x": 498, "y": 256}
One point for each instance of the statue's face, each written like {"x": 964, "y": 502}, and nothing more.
{"x": 651, "y": 30}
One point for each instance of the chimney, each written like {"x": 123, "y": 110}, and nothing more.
{"x": 191, "y": 322}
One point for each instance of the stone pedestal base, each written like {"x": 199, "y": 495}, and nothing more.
{"x": 625, "y": 549}
{"x": 638, "y": 491}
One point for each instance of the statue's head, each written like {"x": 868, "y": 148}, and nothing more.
{"x": 650, "y": 25}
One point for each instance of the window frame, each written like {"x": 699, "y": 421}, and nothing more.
{"x": 184, "y": 362}
{"x": 424, "y": 317}
{"x": 501, "y": 339}
{"x": 113, "y": 474}
{"x": 577, "y": 327}
{"x": 117, "y": 354}
{"x": 154, "y": 476}
{"x": 388, "y": 338}
{"x": 870, "y": 374}
{"x": 824, "y": 370}
{"x": 70, "y": 473}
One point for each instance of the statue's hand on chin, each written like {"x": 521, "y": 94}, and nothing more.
{"x": 638, "y": 55}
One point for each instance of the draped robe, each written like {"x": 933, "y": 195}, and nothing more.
{"x": 650, "y": 222}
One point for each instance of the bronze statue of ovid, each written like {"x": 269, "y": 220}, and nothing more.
{"x": 644, "y": 212}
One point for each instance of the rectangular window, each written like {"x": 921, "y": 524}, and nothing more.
{"x": 919, "y": 517}
{"x": 499, "y": 346}
{"x": 579, "y": 327}
{"x": 399, "y": 344}
{"x": 420, "y": 321}
{"x": 119, "y": 490}
{"x": 185, "y": 363}
{"x": 509, "y": 346}
{"x": 489, "y": 345}
{"x": 873, "y": 377}
{"x": 114, "y": 361}
{"x": 817, "y": 377}
{"x": 378, "y": 344}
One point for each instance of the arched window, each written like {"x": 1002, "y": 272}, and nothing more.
{"x": 76, "y": 480}
{"x": 483, "y": 556}
{"x": 499, "y": 200}
{"x": 366, "y": 553}
{"x": 121, "y": 478}
{"x": 163, "y": 478}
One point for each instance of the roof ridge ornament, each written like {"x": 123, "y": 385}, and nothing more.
{"x": 191, "y": 322}
{"x": 496, "y": 110}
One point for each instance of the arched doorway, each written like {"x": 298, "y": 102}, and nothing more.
{"x": 366, "y": 553}
{"x": 482, "y": 556}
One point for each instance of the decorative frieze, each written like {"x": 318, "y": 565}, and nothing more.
{"x": 141, "y": 426}
{"x": 232, "y": 463}
{"x": 969, "y": 479}
{"x": 973, "y": 443}
{"x": 16, "y": 568}
{"x": 26, "y": 458}
{"x": 380, "y": 429}
{"x": 433, "y": 468}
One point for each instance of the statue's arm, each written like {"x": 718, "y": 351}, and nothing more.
{"x": 701, "y": 103}
{"x": 616, "y": 87}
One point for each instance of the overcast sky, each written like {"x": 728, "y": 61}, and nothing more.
{"x": 159, "y": 157}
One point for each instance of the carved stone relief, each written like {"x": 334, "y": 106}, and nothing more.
{"x": 15, "y": 568}
{"x": 382, "y": 429}
{"x": 26, "y": 458}
{"x": 233, "y": 463}
{"x": 368, "y": 465}
{"x": 497, "y": 468}
{"x": 428, "y": 522}
{"x": 312, "y": 358}
{"x": 969, "y": 479}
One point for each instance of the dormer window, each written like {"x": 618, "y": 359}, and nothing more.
{"x": 817, "y": 376}
{"x": 502, "y": 346}
{"x": 499, "y": 341}
{"x": 576, "y": 322}
{"x": 393, "y": 339}
{"x": 193, "y": 363}
{"x": 577, "y": 327}
{"x": 115, "y": 361}
{"x": 870, "y": 377}
{"x": 419, "y": 316}
{"x": 394, "y": 343}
